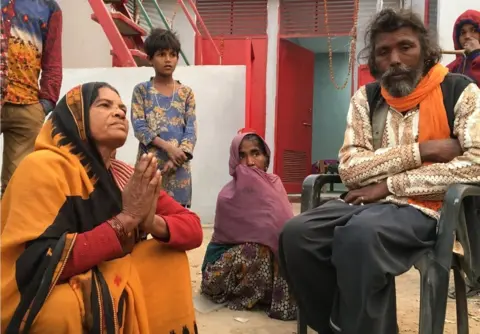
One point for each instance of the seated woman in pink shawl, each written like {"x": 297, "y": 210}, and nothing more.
{"x": 240, "y": 266}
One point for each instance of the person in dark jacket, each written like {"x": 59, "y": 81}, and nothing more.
{"x": 466, "y": 36}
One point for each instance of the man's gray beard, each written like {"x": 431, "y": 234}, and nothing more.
{"x": 402, "y": 87}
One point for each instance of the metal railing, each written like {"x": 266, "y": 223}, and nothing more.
{"x": 149, "y": 23}
{"x": 195, "y": 28}
{"x": 198, "y": 17}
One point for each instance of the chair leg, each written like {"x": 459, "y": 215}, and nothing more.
{"x": 301, "y": 323}
{"x": 433, "y": 296}
{"x": 426, "y": 299}
{"x": 461, "y": 301}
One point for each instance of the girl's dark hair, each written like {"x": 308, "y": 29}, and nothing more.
{"x": 99, "y": 85}
{"x": 390, "y": 20}
{"x": 161, "y": 40}
{"x": 254, "y": 138}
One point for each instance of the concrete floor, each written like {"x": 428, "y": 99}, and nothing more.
{"x": 223, "y": 321}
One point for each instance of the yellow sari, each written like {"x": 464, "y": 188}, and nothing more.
{"x": 58, "y": 191}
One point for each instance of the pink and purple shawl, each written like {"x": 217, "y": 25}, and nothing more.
{"x": 253, "y": 207}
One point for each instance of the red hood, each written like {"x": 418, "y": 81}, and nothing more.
{"x": 470, "y": 16}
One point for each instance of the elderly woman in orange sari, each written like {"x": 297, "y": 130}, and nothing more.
{"x": 75, "y": 258}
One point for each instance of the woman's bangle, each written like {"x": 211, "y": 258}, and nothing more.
{"x": 118, "y": 227}
{"x": 127, "y": 238}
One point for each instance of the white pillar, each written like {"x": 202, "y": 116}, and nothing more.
{"x": 379, "y": 5}
{"x": 271, "y": 76}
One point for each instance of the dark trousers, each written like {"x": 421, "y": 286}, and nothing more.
{"x": 341, "y": 260}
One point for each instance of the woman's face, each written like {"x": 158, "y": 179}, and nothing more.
{"x": 252, "y": 155}
{"x": 108, "y": 122}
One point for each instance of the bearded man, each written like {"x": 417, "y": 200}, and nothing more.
{"x": 409, "y": 136}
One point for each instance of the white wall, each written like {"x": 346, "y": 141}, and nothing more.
{"x": 85, "y": 45}
{"x": 418, "y": 6}
{"x": 220, "y": 99}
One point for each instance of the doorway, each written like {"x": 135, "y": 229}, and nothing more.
{"x": 293, "y": 128}
{"x": 311, "y": 112}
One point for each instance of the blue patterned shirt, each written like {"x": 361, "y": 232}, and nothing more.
{"x": 173, "y": 120}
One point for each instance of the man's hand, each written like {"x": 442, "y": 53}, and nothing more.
{"x": 471, "y": 45}
{"x": 369, "y": 194}
{"x": 441, "y": 150}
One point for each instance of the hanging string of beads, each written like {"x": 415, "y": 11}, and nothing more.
{"x": 352, "y": 49}
{"x": 222, "y": 48}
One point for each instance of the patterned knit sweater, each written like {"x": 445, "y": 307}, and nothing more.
{"x": 398, "y": 160}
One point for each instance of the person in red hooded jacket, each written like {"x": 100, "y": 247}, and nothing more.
{"x": 466, "y": 36}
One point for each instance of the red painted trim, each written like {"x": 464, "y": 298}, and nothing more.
{"x": 198, "y": 35}
{"x": 121, "y": 17}
{"x": 230, "y": 37}
{"x": 248, "y": 88}
{"x": 122, "y": 52}
{"x": 122, "y": 8}
{"x": 198, "y": 50}
{"x": 426, "y": 18}
{"x": 200, "y": 20}
{"x": 276, "y": 162}
{"x": 189, "y": 17}
{"x": 129, "y": 22}
{"x": 310, "y": 35}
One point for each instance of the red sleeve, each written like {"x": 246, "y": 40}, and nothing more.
{"x": 184, "y": 225}
{"x": 91, "y": 248}
{"x": 475, "y": 70}
{"x": 51, "y": 78}
{"x": 452, "y": 66}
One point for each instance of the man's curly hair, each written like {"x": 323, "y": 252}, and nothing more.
{"x": 390, "y": 20}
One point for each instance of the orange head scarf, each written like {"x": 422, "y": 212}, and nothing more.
{"x": 433, "y": 123}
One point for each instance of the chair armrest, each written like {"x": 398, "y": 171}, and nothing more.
{"x": 451, "y": 221}
{"x": 312, "y": 188}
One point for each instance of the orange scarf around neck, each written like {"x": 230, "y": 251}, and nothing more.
{"x": 433, "y": 121}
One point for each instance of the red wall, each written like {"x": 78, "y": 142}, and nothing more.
{"x": 364, "y": 76}
{"x": 251, "y": 52}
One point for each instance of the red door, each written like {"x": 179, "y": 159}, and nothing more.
{"x": 293, "y": 130}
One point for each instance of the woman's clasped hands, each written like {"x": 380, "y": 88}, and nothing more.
{"x": 141, "y": 193}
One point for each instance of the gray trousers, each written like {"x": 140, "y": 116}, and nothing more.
{"x": 341, "y": 260}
